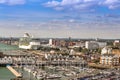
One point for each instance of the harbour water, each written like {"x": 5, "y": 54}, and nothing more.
{"x": 5, "y": 47}
{"x": 5, "y": 74}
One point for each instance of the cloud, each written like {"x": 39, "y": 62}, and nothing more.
{"x": 72, "y": 4}
{"x": 83, "y": 4}
{"x": 3, "y": 1}
{"x": 54, "y": 29}
{"x": 112, "y": 4}
{"x": 13, "y": 2}
{"x": 115, "y": 16}
{"x": 52, "y": 4}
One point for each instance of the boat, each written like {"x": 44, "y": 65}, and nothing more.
{"x": 53, "y": 76}
{"x": 26, "y": 42}
{"x": 69, "y": 73}
{"x": 34, "y": 73}
{"x": 28, "y": 69}
{"x": 39, "y": 76}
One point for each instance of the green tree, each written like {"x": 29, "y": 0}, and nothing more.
{"x": 85, "y": 50}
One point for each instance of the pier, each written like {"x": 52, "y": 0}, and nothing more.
{"x": 18, "y": 75}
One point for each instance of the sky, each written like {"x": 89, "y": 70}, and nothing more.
{"x": 60, "y": 18}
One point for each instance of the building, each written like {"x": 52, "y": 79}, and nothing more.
{"x": 91, "y": 45}
{"x": 110, "y": 56}
{"x": 102, "y": 44}
{"x": 94, "y": 44}
{"x": 116, "y": 43}
{"x": 72, "y": 52}
{"x": 106, "y": 50}
{"x": 50, "y": 41}
{"x": 54, "y": 42}
{"x": 62, "y": 43}
{"x": 26, "y": 42}
{"x": 79, "y": 44}
{"x": 34, "y": 44}
{"x": 110, "y": 59}
{"x": 116, "y": 51}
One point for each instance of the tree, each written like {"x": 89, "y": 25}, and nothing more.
{"x": 109, "y": 43}
{"x": 1, "y": 54}
{"x": 85, "y": 50}
{"x": 77, "y": 49}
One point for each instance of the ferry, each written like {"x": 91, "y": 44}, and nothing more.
{"x": 26, "y": 42}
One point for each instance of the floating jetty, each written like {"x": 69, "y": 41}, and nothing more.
{"x": 18, "y": 75}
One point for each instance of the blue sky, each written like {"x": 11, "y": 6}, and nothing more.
{"x": 60, "y": 18}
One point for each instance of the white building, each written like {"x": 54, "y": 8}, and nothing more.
{"x": 110, "y": 59}
{"x": 106, "y": 50}
{"x": 91, "y": 45}
{"x": 50, "y": 41}
{"x": 54, "y": 43}
{"x": 35, "y": 44}
{"x": 72, "y": 52}
{"x": 116, "y": 43}
{"x": 79, "y": 44}
{"x": 94, "y": 44}
{"x": 102, "y": 44}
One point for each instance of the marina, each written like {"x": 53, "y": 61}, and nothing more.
{"x": 29, "y": 66}
{"x": 32, "y": 69}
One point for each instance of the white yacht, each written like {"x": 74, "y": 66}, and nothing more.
{"x": 53, "y": 76}
{"x": 39, "y": 76}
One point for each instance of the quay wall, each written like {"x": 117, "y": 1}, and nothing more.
{"x": 4, "y": 65}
